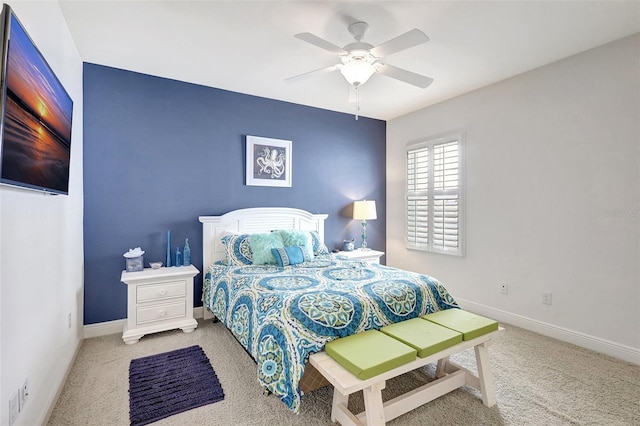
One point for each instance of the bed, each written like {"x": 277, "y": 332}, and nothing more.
{"x": 283, "y": 314}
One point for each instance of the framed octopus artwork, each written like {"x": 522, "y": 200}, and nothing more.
{"x": 268, "y": 162}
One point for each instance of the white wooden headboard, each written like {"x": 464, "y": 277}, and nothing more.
{"x": 251, "y": 221}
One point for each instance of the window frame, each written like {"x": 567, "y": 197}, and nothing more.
{"x": 429, "y": 143}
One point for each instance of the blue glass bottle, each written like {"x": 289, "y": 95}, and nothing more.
{"x": 178, "y": 257}
{"x": 186, "y": 254}
{"x": 168, "y": 260}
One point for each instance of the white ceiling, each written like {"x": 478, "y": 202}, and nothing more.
{"x": 248, "y": 46}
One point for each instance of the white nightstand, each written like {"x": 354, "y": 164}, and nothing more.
{"x": 159, "y": 300}
{"x": 371, "y": 256}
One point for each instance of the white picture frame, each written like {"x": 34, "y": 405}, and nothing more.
{"x": 268, "y": 162}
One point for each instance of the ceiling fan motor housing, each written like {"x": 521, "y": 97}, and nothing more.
{"x": 358, "y": 47}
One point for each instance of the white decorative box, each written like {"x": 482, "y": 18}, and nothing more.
{"x": 135, "y": 264}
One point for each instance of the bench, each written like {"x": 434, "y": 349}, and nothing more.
{"x": 363, "y": 362}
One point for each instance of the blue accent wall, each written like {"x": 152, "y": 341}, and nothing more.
{"x": 158, "y": 153}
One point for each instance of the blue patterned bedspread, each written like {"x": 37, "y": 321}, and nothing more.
{"x": 283, "y": 315}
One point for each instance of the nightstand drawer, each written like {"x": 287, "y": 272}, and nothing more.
{"x": 161, "y": 312}
{"x": 166, "y": 290}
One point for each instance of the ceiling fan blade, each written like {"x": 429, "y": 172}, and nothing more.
{"x": 309, "y": 73}
{"x": 404, "y": 75}
{"x": 402, "y": 42}
{"x": 321, "y": 43}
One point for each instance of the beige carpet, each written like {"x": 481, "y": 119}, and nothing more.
{"x": 539, "y": 381}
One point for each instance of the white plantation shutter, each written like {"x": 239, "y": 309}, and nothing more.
{"x": 434, "y": 196}
{"x": 417, "y": 197}
{"x": 445, "y": 193}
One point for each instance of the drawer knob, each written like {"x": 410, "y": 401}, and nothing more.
{"x": 162, "y": 313}
{"x": 163, "y": 292}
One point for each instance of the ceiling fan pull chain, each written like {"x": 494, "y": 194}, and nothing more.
{"x": 357, "y": 101}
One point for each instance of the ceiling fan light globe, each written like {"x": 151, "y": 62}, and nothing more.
{"x": 357, "y": 73}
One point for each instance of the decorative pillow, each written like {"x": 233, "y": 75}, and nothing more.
{"x": 298, "y": 238}
{"x": 318, "y": 245}
{"x": 261, "y": 245}
{"x": 237, "y": 248}
{"x": 291, "y": 255}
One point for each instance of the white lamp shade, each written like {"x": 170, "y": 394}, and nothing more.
{"x": 357, "y": 72}
{"x": 364, "y": 210}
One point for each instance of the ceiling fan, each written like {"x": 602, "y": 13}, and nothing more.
{"x": 360, "y": 60}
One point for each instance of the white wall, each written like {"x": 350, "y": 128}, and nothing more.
{"x": 41, "y": 253}
{"x": 553, "y": 198}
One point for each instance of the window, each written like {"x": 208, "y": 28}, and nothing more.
{"x": 435, "y": 196}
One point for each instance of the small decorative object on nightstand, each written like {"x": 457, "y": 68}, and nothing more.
{"x": 371, "y": 256}
{"x": 364, "y": 210}
{"x": 348, "y": 245}
{"x": 167, "y": 263}
{"x": 159, "y": 300}
{"x": 134, "y": 259}
{"x": 178, "y": 261}
{"x": 186, "y": 253}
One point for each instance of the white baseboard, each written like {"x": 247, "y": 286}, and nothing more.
{"x": 59, "y": 387}
{"x": 616, "y": 350}
{"x": 116, "y": 326}
{"x": 104, "y": 328}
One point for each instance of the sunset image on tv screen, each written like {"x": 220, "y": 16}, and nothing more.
{"x": 37, "y": 119}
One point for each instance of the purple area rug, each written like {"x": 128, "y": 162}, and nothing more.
{"x": 170, "y": 383}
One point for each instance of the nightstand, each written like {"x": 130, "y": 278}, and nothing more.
{"x": 371, "y": 256}
{"x": 159, "y": 300}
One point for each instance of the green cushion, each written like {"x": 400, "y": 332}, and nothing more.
{"x": 470, "y": 325}
{"x": 424, "y": 336}
{"x": 370, "y": 353}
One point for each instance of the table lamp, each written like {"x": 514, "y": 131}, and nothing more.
{"x": 364, "y": 210}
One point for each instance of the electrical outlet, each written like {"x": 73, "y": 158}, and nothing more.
{"x": 504, "y": 288}
{"x": 69, "y": 321}
{"x": 546, "y": 297}
{"x": 13, "y": 408}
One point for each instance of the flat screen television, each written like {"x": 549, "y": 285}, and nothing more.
{"x": 35, "y": 115}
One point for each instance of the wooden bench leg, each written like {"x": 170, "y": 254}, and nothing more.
{"x": 340, "y": 410}
{"x": 487, "y": 386}
{"x": 338, "y": 399}
{"x": 441, "y": 368}
{"x": 373, "y": 407}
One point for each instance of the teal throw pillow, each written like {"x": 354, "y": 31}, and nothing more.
{"x": 261, "y": 245}
{"x": 291, "y": 255}
{"x": 298, "y": 238}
